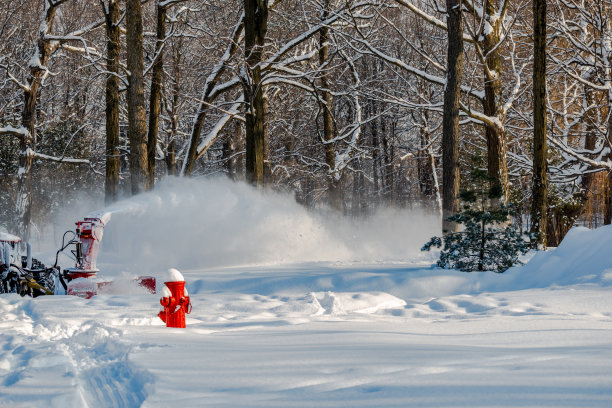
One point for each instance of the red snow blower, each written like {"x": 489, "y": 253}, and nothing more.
{"x": 34, "y": 279}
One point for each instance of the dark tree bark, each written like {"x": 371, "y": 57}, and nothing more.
{"x": 266, "y": 138}
{"x": 388, "y": 153}
{"x": 450, "y": 124}
{"x": 156, "y": 90}
{"x": 497, "y": 168}
{"x": 255, "y": 28}
{"x": 113, "y": 41}
{"x": 376, "y": 162}
{"x": 27, "y": 142}
{"x": 333, "y": 180}
{"x": 228, "y": 156}
{"x": 137, "y": 115}
{"x": 539, "y": 200}
{"x": 606, "y": 9}
{"x": 170, "y": 159}
{"x": 589, "y": 141}
{"x": 425, "y": 169}
{"x": 608, "y": 203}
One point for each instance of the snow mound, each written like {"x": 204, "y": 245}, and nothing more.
{"x": 364, "y": 303}
{"x": 583, "y": 257}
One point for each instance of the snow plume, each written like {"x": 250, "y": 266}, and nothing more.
{"x": 189, "y": 223}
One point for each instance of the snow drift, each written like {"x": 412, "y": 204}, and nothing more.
{"x": 582, "y": 257}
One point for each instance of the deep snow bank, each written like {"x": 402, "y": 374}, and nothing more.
{"x": 195, "y": 223}
{"x": 584, "y": 256}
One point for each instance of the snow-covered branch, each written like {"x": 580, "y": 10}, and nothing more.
{"x": 20, "y": 133}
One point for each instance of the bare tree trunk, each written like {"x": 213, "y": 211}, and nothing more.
{"x": 27, "y": 142}
{"x": 375, "y": 152}
{"x": 170, "y": 158}
{"x": 229, "y": 149}
{"x": 388, "y": 162}
{"x": 240, "y": 146}
{"x": 425, "y": 169}
{"x": 539, "y": 199}
{"x": 255, "y": 28}
{"x": 496, "y": 139}
{"x": 358, "y": 187}
{"x": 589, "y": 145}
{"x": 171, "y": 166}
{"x": 113, "y": 41}
{"x": 333, "y": 179}
{"x": 450, "y": 124}
{"x": 267, "y": 160}
{"x": 137, "y": 115}
{"x": 155, "y": 97}
{"x": 608, "y": 213}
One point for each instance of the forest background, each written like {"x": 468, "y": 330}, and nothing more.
{"x": 342, "y": 103}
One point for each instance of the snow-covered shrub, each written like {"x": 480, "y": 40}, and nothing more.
{"x": 488, "y": 241}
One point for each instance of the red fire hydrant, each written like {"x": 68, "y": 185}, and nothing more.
{"x": 175, "y": 300}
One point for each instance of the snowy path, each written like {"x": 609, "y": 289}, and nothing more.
{"x": 283, "y": 339}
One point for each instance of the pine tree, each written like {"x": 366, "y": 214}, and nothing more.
{"x": 487, "y": 241}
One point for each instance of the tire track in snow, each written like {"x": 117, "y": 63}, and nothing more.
{"x": 94, "y": 360}
{"x": 116, "y": 384}
{"x": 105, "y": 376}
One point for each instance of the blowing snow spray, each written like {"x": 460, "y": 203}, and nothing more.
{"x": 175, "y": 300}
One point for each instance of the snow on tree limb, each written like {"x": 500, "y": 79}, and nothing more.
{"x": 20, "y": 133}
{"x": 221, "y": 123}
{"x": 68, "y": 160}
{"x": 598, "y": 164}
{"x": 416, "y": 71}
{"x": 429, "y": 18}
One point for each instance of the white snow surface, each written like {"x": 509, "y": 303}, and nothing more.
{"x": 279, "y": 320}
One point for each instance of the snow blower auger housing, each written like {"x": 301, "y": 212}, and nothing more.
{"x": 82, "y": 280}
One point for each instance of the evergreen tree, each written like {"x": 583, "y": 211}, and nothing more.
{"x": 487, "y": 241}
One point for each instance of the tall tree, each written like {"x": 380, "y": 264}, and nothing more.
{"x": 333, "y": 179}
{"x": 112, "y": 14}
{"x": 539, "y": 189}
{"x": 491, "y": 35}
{"x": 27, "y": 143}
{"x": 137, "y": 115}
{"x": 37, "y": 72}
{"x": 450, "y": 124}
{"x": 156, "y": 90}
{"x": 255, "y": 28}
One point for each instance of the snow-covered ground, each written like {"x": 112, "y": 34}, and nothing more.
{"x": 295, "y": 310}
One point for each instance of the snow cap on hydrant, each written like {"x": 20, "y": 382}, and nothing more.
{"x": 173, "y": 275}
{"x": 175, "y": 300}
